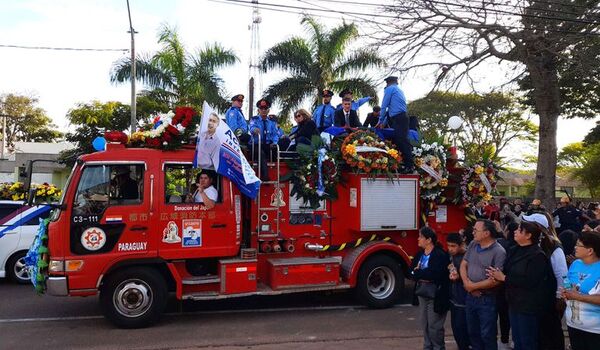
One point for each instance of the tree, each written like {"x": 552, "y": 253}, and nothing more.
{"x": 92, "y": 119}
{"x": 176, "y": 77}
{"x": 491, "y": 121}
{"x": 25, "y": 121}
{"x": 593, "y": 136}
{"x": 588, "y": 172}
{"x": 531, "y": 36}
{"x": 322, "y": 61}
{"x": 572, "y": 155}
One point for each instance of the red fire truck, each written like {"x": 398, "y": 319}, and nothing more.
{"x": 135, "y": 250}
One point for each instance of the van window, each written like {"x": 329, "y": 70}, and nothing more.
{"x": 107, "y": 185}
{"x": 180, "y": 183}
{"x": 36, "y": 219}
{"x": 6, "y": 209}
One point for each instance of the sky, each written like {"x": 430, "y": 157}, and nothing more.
{"x": 61, "y": 79}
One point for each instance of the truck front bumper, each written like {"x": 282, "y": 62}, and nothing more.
{"x": 57, "y": 286}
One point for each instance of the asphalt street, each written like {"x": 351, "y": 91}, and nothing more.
{"x": 298, "y": 321}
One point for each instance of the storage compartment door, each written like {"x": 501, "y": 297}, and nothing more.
{"x": 388, "y": 205}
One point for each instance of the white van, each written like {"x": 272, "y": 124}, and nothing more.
{"x": 18, "y": 227}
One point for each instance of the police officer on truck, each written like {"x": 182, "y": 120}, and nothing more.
{"x": 393, "y": 111}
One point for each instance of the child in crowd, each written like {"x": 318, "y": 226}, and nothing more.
{"x": 456, "y": 249}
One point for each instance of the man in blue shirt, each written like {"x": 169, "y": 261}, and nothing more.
{"x": 347, "y": 93}
{"x": 393, "y": 111}
{"x": 323, "y": 114}
{"x": 236, "y": 120}
{"x": 269, "y": 135}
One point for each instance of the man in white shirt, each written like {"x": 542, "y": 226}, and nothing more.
{"x": 205, "y": 192}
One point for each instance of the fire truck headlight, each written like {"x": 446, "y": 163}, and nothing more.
{"x": 56, "y": 266}
{"x": 265, "y": 228}
{"x": 73, "y": 265}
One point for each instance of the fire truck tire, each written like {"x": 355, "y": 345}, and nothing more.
{"x": 134, "y": 297}
{"x": 16, "y": 269}
{"x": 380, "y": 282}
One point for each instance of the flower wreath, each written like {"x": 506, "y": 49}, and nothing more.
{"x": 365, "y": 152}
{"x": 315, "y": 175}
{"x": 478, "y": 182}
{"x": 430, "y": 161}
{"x": 167, "y": 131}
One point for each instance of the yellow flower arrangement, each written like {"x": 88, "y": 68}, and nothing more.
{"x": 379, "y": 157}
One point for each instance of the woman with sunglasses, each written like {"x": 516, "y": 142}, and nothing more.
{"x": 582, "y": 292}
{"x": 304, "y": 130}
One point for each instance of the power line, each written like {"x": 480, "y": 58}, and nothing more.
{"x": 432, "y": 1}
{"x": 59, "y": 48}
{"x": 274, "y": 7}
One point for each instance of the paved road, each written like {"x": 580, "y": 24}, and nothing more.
{"x": 307, "y": 321}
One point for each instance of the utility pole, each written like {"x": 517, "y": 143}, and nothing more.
{"x": 2, "y": 146}
{"x": 254, "y": 74}
{"x": 133, "y": 77}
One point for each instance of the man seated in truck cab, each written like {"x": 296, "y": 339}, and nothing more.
{"x": 123, "y": 186}
{"x": 205, "y": 192}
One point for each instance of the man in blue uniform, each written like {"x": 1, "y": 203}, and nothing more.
{"x": 323, "y": 115}
{"x": 269, "y": 135}
{"x": 236, "y": 120}
{"x": 393, "y": 111}
{"x": 347, "y": 93}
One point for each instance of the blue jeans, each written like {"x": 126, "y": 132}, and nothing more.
{"x": 458, "y": 321}
{"x": 481, "y": 321}
{"x": 525, "y": 330}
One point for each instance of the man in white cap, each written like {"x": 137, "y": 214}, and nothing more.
{"x": 551, "y": 322}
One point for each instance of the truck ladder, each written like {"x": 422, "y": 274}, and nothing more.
{"x": 276, "y": 183}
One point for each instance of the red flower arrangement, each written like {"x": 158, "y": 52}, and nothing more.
{"x": 168, "y": 131}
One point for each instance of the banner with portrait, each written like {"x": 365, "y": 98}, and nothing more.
{"x": 218, "y": 148}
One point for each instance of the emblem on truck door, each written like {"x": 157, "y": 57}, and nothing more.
{"x": 93, "y": 238}
{"x": 171, "y": 233}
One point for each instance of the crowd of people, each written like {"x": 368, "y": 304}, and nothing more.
{"x": 521, "y": 269}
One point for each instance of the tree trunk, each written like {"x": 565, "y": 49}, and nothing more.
{"x": 546, "y": 93}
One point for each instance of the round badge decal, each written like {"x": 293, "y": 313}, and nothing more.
{"x": 93, "y": 238}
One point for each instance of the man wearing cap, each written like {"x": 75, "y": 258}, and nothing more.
{"x": 354, "y": 105}
{"x": 568, "y": 215}
{"x": 124, "y": 186}
{"x": 373, "y": 117}
{"x": 236, "y": 120}
{"x": 393, "y": 111}
{"x": 261, "y": 125}
{"x": 324, "y": 114}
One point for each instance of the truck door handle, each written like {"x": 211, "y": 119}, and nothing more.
{"x": 218, "y": 225}
{"x": 139, "y": 228}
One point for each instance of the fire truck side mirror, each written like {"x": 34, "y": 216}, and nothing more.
{"x": 31, "y": 196}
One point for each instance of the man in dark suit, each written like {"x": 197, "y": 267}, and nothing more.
{"x": 346, "y": 117}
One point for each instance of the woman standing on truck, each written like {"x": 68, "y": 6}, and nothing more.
{"x": 430, "y": 273}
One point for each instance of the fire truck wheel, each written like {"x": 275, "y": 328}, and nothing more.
{"x": 16, "y": 269}
{"x": 380, "y": 282}
{"x": 134, "y": 297}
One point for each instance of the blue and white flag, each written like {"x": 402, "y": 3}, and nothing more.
{"x": 218, "y": 148}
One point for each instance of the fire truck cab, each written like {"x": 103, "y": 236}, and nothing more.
{"x": 126, "y": 229}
